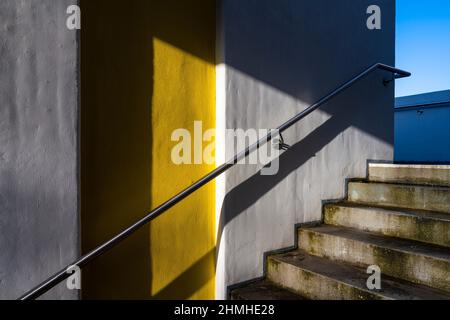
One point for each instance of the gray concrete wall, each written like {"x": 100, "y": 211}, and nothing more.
{"x": 38, "y": 145}
{"x": 280, "y": 57}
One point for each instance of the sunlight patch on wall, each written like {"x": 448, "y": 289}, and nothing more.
{"x": 181, "y": 241}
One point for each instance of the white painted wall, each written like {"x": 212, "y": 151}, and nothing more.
{"x": 280, "y": 57}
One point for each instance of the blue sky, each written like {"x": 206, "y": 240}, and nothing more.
{"x": 423, "y": 45}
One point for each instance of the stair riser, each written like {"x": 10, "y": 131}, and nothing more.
{"x": 411, "y": 227}
{"x": 402, "y": 196}
{"x": 314, "y": 286}
{"x": 411, "y": 267}
{"x": 263, "y": 290}
{"x": 433, "y": 175}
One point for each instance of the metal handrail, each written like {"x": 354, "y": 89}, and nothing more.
{"x": 81, "y": 262}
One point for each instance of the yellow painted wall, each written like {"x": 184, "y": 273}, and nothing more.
{"x": 147, "y": 69}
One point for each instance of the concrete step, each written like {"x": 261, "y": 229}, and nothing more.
{"x": 263, "y": 290}
{"x": 413, "y": 261}
{"x": 413, "y": 174}
{"x": 420, "y": 197}
{"x": 320, "y": 278}
{"x": 424, "y": 226}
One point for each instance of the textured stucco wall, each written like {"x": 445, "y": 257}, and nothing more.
{"x": 38, "y": 145}
{"x": 280, "y": 57}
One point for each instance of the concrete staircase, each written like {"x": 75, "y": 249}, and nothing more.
{"x": 398, "y": 220}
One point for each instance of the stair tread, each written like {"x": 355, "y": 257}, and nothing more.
{"x": 424, "y": 214}
{"x": 264, "y": 290}
{"x": 405, "y": 184}
{"x": 411, "y": 166}
{"x": 391, "y": 288}
{"x": 404, "y": 245}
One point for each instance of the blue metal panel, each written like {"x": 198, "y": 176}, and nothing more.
{"x": 422, "y": 128}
